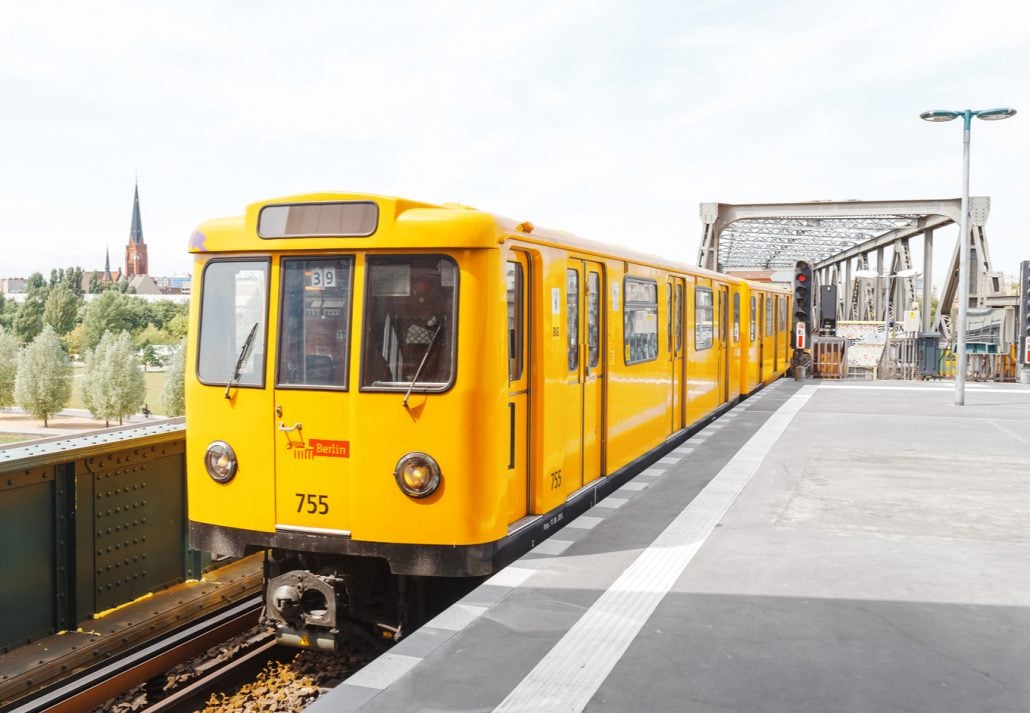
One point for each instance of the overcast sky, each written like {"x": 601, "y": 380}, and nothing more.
{"x": 608, "y": 118}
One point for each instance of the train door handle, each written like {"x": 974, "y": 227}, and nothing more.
{"x": 286, "y": 429}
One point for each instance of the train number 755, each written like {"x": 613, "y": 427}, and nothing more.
{"x": 315, "y": 503}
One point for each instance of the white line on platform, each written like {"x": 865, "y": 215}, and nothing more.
{"x": 569, "y": 675}
{"x": 610, "y": 502}
{"x": 514, "y": 576}
{"x": 552, "y": 547}
{"x": 388, "y": 668}
{"x": 584, "y": 522}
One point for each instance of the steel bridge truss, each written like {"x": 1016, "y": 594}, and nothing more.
{"x": 838, "y": 238}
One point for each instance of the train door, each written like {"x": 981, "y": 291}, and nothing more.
{"x": 777, "y": 327}
{"x": 311, "y": 420}
{"x": 755, "y": 342}
{"x": 675, "y": 292}
{"x": 722, "y": 332}
{"x": 518, "y": 276}
{"x": 584, "y": 291}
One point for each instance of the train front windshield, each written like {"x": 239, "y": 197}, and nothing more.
{"x": 410, "y": 311}
{"x": 408, "y": 325}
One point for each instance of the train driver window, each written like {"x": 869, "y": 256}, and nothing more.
{"x": 233, "y": 310}
{"x": 315, "y": 322}
{"x": 410, "y": 321}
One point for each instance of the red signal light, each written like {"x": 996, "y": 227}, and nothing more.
{"x": 802, "y": 277}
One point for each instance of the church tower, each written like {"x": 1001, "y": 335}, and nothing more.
{"x": 136, "y": 250}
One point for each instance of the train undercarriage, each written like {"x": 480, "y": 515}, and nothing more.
{"x": 318, "y": 601}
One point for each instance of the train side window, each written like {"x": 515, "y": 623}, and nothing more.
{"x": 678, "y": 318}
{"x": 572, "y": 315}
{"x": 409, "y": 336}
{"x": 754, "y": 318}
{"x": 593, "y": 319}
{"x": 704, "y": 318}
{"x": 768, "y": 316}
{"x": 783, "y": 312}
{"x": 736, "y": 316}
{"x": 516, "y": 323}
{"x": 640, "y": 325}
{"x": 314, "y": 333}
{"x": 233, "y": 314}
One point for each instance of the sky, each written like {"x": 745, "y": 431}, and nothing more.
{"x": 612, "y": 119}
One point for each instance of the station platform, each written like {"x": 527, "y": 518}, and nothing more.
{"x": 824, "y": 546}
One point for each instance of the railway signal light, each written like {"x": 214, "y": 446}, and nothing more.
{"x": 1023, "y": 333}
{"x": 802, "y": 304}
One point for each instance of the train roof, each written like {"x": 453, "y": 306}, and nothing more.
{"x": 256, "y": 230}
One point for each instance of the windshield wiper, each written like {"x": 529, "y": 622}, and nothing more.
{"x": 244, "y": 353}
{"x": 422, "y": 364}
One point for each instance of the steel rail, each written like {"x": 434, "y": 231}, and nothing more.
{"x": 94, "y": 687}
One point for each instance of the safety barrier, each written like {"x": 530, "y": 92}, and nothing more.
{"x": 829, "y": 358}
{"x": 89, "y": 523}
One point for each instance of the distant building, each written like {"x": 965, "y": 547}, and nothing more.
{"x": 136, "y": 251}
{"x": 176, "y": 285}
{"x": 13, "y": 285}
{"x": 143, "y": 285}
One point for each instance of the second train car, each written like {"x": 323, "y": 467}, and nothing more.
{"x": 381, "y": 390}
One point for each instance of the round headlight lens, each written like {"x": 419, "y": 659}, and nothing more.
{"x": 417, "y": 474}
{"x": 220, "y": 461}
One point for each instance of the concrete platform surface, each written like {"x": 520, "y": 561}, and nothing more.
{"x": 825, "y": 546}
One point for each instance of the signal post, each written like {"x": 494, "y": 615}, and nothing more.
{"x": 1023, "y": 330}
{"x": 802, "y": 322}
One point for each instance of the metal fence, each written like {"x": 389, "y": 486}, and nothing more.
{"x": 923, "y": 356}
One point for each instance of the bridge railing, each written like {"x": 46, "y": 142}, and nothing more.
{"x": 89, "y": 523}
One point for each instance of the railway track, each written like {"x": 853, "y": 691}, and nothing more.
{"x": 96, "y": 686}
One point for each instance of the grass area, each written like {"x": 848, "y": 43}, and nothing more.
{"x": 154, "y": 381}
{"x": 14, "y": 438}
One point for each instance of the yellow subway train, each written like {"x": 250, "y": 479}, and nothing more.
{"x": 380, "y": 391}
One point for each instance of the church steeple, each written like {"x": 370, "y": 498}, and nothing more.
{"x": 107, "y": 266}
{"x": 136, "y": 229}
{"x": 136, "y": 250}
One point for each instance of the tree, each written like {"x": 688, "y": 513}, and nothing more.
{"x": 35, "y": 280}
{"x": 43, "y": 383}
{"x": 111, "y": 312}
{"x": 148, "y": 356}
{"x": 61, "y": 309}
{"x": 173, "y": 396}
{"x": 113, "y": 385}
{"x": 8, "y": 367}
{"x": 94, "y": 284}
{"x": 72, "y": 278}
{"x": 28, "y": 320}
{"x": 177, "y": 326}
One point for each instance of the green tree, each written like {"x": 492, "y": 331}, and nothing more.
{"x": 36, "y": 279}
{"x": 148, "y": 356}
{"x": 177, "y": 326}
{"x": 28, "y": 320}
{"x": 153, "y": 335}
{"x": 94, "y": 284}
{"x": 61, "y": 310}
{"x": 72, "y": 279}
{"x": 43, "y": 383}
{"x": 111, "y": 312}
{"x": 112, "y": 384}
{"x": 8, "y": 367}
{"x": 173, "y": 396}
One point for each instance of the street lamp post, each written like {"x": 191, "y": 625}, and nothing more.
{"x": 963, "y": 256}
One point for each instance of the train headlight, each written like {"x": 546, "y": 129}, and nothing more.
{"x": 220, "y": 461}
{"x": 417, "y": 474}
